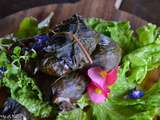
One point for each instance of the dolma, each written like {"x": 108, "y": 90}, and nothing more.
{"x": 67, "y": 90}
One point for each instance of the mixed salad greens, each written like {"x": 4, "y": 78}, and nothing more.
{"x": 140, "y": 55}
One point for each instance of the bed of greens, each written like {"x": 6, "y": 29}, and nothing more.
{"x": 121, "y": 95}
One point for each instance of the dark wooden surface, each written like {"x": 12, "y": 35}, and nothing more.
{"x": 8, "y": 7}
{"x": 146, "y": 9}
{"x": 87, "y": 8}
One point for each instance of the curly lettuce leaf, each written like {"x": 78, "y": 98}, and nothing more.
{"x": 23, "y": 89}
{"x": 145, "y": 108}
{"x": 76, "y": 114}
{"x": 104, "y": 111}
{"x": 147, "y": 34}
{"x": 141, "y": 61}
{"x": 4, "y": 60}
{"x": 117, "y": 89}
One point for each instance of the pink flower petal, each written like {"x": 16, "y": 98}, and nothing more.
{"x": 94, "y": 96}
{"x": 96, "y": 78}
{"x": 112, "y": 76}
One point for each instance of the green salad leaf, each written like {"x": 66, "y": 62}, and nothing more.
{"x": 147, "y": 34}
{"x": 142, "y": 60}
{"x": 83, "y": 102}
{"x": 3, "y": 61}
{"x": 117, "y": 89}
{"x": 76, "y": 114}
{"x": 28, "y": 28}
{"x": 23, "y": 88}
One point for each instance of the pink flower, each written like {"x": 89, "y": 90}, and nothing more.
{"x": 96, "y": 94}
{"x": 100, "y": 81}
{"x": 111, "y": 77}
{"x": 98, "y": 77}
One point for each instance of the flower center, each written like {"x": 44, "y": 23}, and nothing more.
{"x": 103, "y": 74}
{"x": 98, "y": 91}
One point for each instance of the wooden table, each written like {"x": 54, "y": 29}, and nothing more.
{"x": 8, "y": 7}
{"x": 146, "y": 9}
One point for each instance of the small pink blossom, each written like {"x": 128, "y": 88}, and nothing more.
{"x": 111, "y": 77}
{"x": 96, "y": 94}
{"x": 96, "y": 78}
{"x": 100, "y": 81}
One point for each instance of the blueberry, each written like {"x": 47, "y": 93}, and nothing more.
{"x": 2, "y": 69}
{"x": 41, "y": 38}
{"x": 135, "y": 94}
{"x": 40, "y": 42}
{"x": 36, "y": 47}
